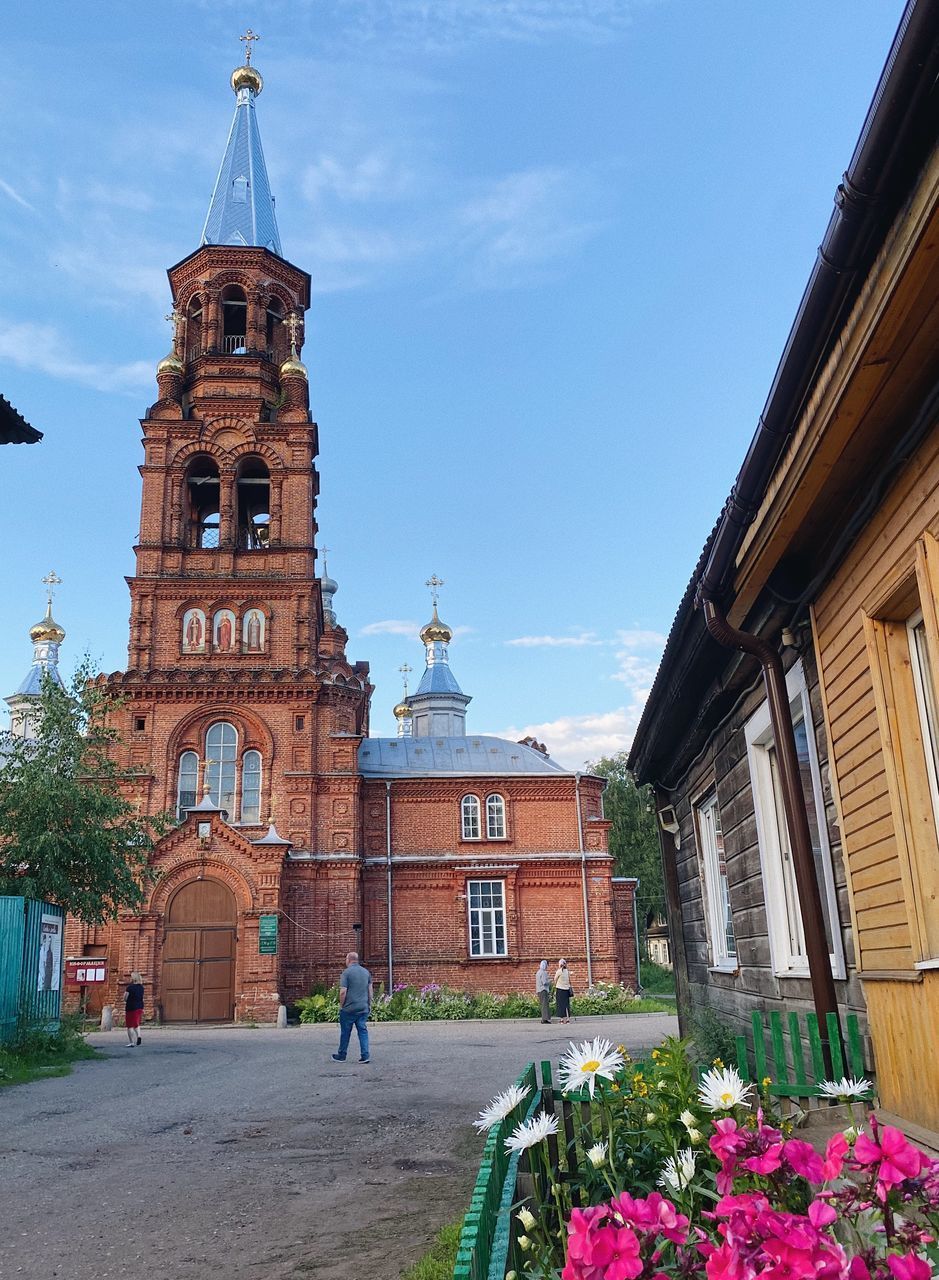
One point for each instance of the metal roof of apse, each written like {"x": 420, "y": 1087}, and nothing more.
{"x": 440, "y": 757}
{"x": 242, "y": 208}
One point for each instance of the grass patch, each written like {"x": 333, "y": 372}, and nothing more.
{"x": 439, "y": 1261}
{"x": 655, "y": 979}
{"x": 35, "y": 1054}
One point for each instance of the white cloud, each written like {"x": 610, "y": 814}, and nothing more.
{"x": 574, "y": 740}
{"x": 635, "y": 638}
{"x": 15, "y": 195}
{"x": 552, "y": 642}
{"x": 390, "y": 627}
{"x": 42, "y": 349}
{"x": 376, "y": 176}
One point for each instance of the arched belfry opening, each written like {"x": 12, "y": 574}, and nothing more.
{"x": 203, "y": 505}
{"x": 194, "y": 334}
{"x": 234, "y": 321}
{"x": 275, "y": 333}
{"x": 253, "y": 497}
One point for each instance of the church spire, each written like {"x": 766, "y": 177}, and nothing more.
{"x": 439, "y": 706}
{"x": 46, "y": 636}
{"x": 242, "y": 208}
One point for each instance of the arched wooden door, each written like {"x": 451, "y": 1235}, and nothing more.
{"x": 199, "y": 954}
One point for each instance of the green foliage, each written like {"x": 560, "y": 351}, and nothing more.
{"x": 434, "y": 1003}
{"x": 35, "y": 1053}
{"x": 439, "y": 1261}
{"x": 634, "y": 835}
{"x": 68, "y": 832}
{"x": 712, "y": 1037}
{"x": 656, "y": 979}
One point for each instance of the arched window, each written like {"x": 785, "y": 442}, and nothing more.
{"x": 495, "y": 817}
{"x": 202, "y": 496}
{"x": 253, "y": 493}
{"x": 221, "y": 752}
{"x": 187, "y": 783}
{"x": 275, "y": 334}
{"x": 251, "y": 787}
{"x": 234, "y": 321}
{"x": 469, "y": 809}
{"x": 194, "y": 329}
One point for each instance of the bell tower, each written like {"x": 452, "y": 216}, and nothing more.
{"x": 239, "y": 710}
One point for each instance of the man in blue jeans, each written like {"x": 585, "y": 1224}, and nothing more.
{"x": 355, "y": 1004}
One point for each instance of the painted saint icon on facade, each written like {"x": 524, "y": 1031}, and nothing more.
{"x": 253, "y": 631}
{"x": 194, "y": 631}
{"x": 224, "y": 631}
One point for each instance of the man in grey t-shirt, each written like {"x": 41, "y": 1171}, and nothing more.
{"x": 355, "y": 1004}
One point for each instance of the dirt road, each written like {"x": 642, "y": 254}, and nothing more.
{"x": 250, "y": 1153}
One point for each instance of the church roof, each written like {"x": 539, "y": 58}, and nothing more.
{"x": 442, "y": 757}
{"x": 31, "y": 684}
{"x": 438, "y": 679}
{"x": 242, "y": 207}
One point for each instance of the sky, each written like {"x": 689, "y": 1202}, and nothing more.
{"x": 556, "y": 249}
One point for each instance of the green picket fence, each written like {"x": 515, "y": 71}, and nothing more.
{"x": 794, "y": 1043}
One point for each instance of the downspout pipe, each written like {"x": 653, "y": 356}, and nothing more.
{"x": 636, "y": 935}
{"x": 797, "y": 823}
{"x": 583, "y": 877}
{"x": 388, "y": 862}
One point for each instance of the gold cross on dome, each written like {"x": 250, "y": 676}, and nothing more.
{"x": 51, "y": 581}
{"x": 249, "y": 37}
{"x": 293, "y": 328}
{"x": 405, "y": 672}
{"x": 435, "y": 584}
{"x": 174, "y": 319}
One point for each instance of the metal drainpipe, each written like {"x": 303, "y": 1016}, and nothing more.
{"x": 636, "y": 932}
{"x": 388, "y": 852}
{"x": 810, "y": 898}
{"x": 583, "y": 877}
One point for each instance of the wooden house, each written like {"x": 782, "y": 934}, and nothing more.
{"x": 792, "y": 733}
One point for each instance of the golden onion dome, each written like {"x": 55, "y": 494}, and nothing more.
{"x": 435, "y": 630}
{"x": 246, "y": 78}
{"x": 47, "y": 630}
{"x": 293, "y": 368}
{"x": 402, "y": 711}
{"x": 170, "y": 364}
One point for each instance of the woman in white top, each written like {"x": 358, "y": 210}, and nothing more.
{"x": 562, "y": 987}
{"x": 543, "y": 990}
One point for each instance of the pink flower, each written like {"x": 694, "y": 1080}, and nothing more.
{"x": 768, "y": 1162}
{"x": 821, "y": 1214}
{"x": 804, "y": 1160}
{"x": 653, "y": 1215}
{"x": 616, "y": 1253}
{"x": 858, "y": 1269}
{"x": 725, "y": 1263}
{"x": 838, "y": 1147}
{"x": 728, "y": 1139}
{"x": 896, "y": 1158}
{"x": 909, "y": 1267}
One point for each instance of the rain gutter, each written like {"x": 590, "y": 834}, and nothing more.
{"x": 583, "y": 877}
{"x": 388, "y": 856}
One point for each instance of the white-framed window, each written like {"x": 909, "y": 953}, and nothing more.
{"x": 251, "y": 787}
{"x": 495, "y": 817}
{"x": 784, "y": 919}
{"x": 187, "y": 783}
{"x": 926, "y": 702}
{"x": 720, "y": 924}
{"x": 469, "y": 817}
{"x": 486, "y": 905}
{"x": 221, "y": 753}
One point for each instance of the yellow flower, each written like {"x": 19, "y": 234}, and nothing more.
{"x": 615, "y": 1088}
{"x": 718, "y": 1062}
{"x": 655, "y": 1055}
{"x": 767, "y": 1081}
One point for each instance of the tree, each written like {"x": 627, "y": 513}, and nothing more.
{"x": 634, "y": 835}
{"x": 68, "y": 832}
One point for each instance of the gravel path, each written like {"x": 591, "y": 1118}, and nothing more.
{"x": 250, "y": 1153}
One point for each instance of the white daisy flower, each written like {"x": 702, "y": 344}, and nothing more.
{"x": 687, "y": 1119}
{"x": 530, "y": 1132}
{"x": 597, "y": 1154}
{"x": 500, "y": 1107}
{"x": 695, "y": 1136}
{"x": 678, "y": 1171}
{"x": 526, "y": 1218}
{"x": 846, "y": 1089}
{"x": 721, "y": 1088}
{"x": 581, "y": 1066}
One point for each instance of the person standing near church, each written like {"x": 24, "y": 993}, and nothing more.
{"x": 355, "y": 1004}
{"x": 543, "y": 990}
{"x": 133, "y": 1009}
{"x": 563, "y": 991}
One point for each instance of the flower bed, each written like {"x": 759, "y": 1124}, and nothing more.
{"x": 434, "y": 1003}
{"x": 645, "y": 1170}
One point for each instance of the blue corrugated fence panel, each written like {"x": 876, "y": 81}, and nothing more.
{"x": 12, "y": 933}
{"x": 42, "y": 972}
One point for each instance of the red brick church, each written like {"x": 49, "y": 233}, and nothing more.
{"x": 438, "y": 854}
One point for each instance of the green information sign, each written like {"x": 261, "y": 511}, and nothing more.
{"x": 267, "y": 936}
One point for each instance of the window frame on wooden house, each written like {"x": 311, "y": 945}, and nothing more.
{"x": 783, "y": 917}
{"x": 717, "y": 909}
{"x": 497, "y": 921}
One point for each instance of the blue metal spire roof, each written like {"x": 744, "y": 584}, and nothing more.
{"x": 242, "y": 207}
